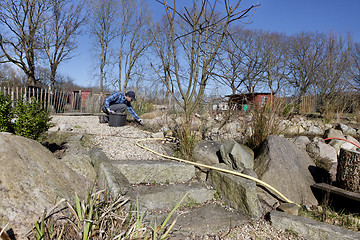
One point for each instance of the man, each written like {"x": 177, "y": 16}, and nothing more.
{"x": 117, "y": 103}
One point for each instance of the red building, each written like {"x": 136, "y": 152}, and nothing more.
{"x": 243, "y": 101}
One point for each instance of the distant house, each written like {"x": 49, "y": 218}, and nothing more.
{"x": 243, "y": 101}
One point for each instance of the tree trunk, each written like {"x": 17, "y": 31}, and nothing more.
{"x": 348, "y": 170}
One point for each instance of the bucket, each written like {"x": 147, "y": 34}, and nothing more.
{"x": 117, "y": 119}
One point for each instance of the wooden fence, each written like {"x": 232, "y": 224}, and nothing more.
{"x": 308, "y": 104}
{"x": 57, "y": 101}
{"x": 348, "y": 102}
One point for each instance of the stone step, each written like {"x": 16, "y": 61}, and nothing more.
{"x": 165, "y": 196}
{"x": 208, "y": 218}
{"x": 155, "y": 171}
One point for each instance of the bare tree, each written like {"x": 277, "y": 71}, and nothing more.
{"x": 196, "y": 36}
{"x": 60, "y": 32}
{"x": 355, "y": 70}
{"x": 305, "y": 56}
{"x": 253, "y": 62}
{"x": 162, "y": 48}
{"x": 275, "y": 48}
{"x": 230, "y": 62}
{"x": 134, "y": 37}
{"x": 332, "y": 74}
{"x": 103, "y": 29}
{"x": 10, "y": 75}
{"x": 20, "y": 21}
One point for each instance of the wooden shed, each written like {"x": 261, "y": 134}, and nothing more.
{"x": 242, "y": 101}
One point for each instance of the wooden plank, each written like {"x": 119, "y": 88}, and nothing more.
{"x": 337, "y": 191}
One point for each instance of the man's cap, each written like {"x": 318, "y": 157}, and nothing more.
{"x": 131, "y": 94}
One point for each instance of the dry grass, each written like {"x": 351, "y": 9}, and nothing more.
{"x": 266, "y": 120}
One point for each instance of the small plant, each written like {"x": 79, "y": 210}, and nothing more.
{"x": 32, "y": 119}
{"x": 327, "y": 214}
{"x": 99, "y": 217}
{"x": 6, "y": 113}
{"x": 191, "y": 203}
{"x": 328, "y": 112}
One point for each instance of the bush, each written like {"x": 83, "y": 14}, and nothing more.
{"x": 32, "y": 119}
{"x": 6, "y": 113}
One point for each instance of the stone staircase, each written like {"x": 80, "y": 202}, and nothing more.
{"x": 158, "y": 185}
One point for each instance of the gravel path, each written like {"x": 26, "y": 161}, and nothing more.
{"x": 119, "y": 143}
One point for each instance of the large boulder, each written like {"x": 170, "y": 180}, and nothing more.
{"x": 31, "y": 181}
{"x": 346, "y": 129}
{"x": 240, "y": 193}
{"x": 301, "y": 141}
{"x": 237, "y": 156}
{"x": 316, "y": 130}
{"x": 324, "y": 156}
{"x": 207, "y": 152}
{"x": 333, "y": 133}
{"x": 285, "y": 167}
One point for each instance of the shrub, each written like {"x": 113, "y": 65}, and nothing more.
{"x": 6, "y": 113}
{"x": 32, "y": 119}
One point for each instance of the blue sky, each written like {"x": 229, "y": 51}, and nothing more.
{"x": 283, "y": 16}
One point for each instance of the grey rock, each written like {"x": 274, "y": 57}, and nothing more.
{"x": 286, "y": 168}
{"x": 32, "y": 180}
{"x": 319, "y": 149}
{"x": 310, "y": 229}
{"x": 347, "y": 130}
{"x": 292, "y": 130}
{"x": 155, "y": 171}
{"x": 301, "y": 141}
{"x": 331, "y": 132}
{"x": 97, "y": 156}
{"x": 237, "y": 156}
{"x": 65, "y": 127}
{"x": 238, "y": 192}
{"x": 207, "y": 152}
{"x": 289, "y": 208}
{"x": 352, "y": 145}
{"x": 315, "y": 130}
{"x": 338, "y": 143}
{"x": 324, "y": 156}
{"x": 344, "y": 144}
{"x": 166, "y": 196}
{"x": 112, "y": 179}
{"x": 206, "y": 219}
{"x": 108, "y": 176}
{"x": 81, "y": 164}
